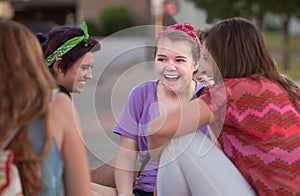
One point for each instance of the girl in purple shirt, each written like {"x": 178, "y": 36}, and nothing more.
{"x": 177, "y": 55}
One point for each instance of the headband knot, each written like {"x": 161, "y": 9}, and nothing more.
{"x": 186, "y": 28}
{"x": 68, "y": 45}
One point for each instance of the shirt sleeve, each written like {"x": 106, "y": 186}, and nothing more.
{"x": 128, "y": 122}
{"x": 216, "y": 98}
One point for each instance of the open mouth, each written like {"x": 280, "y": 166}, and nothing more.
{"x": 82, "y": 82}
{"x": 208, "y": 80}
{"x": 171, "y": 77}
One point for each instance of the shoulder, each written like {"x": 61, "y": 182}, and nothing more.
{"x": 61, "y": 101}
{"x": 145, "y": 86}
{"x": 64, "y": 90}
{"x": 144, "y": 89}
{"x": 257, "y": 86}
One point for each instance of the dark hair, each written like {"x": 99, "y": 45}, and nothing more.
{"x": 58, "y": 36}
{"x": 239, "y": 50}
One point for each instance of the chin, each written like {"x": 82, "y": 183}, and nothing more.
{"x": 77, "y": 90}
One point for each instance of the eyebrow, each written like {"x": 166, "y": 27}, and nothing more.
{"x": 161, "y": 55}
{"x": 181, "y": 57}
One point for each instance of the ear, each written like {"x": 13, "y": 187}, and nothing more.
{"x": 196, "y": 66}
{"x": 56, "y": 65}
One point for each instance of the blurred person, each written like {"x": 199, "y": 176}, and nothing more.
{"x": 48, "y": 133}
{"x": 177, "y": 55}
{"x": 260, "y": 133}
{"x": 69, "y": 55}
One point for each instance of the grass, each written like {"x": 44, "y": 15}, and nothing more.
{"x": 274, "y": 42}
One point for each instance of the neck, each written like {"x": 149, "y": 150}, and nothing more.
{"x": 183, "y": 96}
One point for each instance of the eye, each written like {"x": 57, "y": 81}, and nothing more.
{"x": 204, "y": 72}
{"x": 161, "y": 59}
{"x": 180, "y": 60}
{"x": 85, "y": 67}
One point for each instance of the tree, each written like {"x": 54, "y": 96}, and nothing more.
{"x": 251, "y": 9}
{"x": 254, "y": 9}
{"x": 286, "y": 9}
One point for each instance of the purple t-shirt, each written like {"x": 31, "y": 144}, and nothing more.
{"x": 140, "y": 108}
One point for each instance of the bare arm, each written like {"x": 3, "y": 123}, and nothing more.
{"x": 178, "y": 122}
{"x": 126, "y": 166}
{"x": 76, "y": 171}
{"x": 104, "y": 174}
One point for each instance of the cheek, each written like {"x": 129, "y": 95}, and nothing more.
{"x": 159, "y": 67}
{"x": 80, "y": 73}
{"x": 206, "y": 66}
{"x": 188, "y": 70}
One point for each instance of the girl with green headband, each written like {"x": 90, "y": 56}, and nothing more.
{"x": 69, "y": 54}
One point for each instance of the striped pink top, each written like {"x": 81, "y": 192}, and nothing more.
{"x": 260, "y": 133}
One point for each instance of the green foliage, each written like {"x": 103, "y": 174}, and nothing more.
{"x": 93, "y": 28}
{"x": 252, "y": 9}
{"x": 274, "y": 41}
{"x": 246, "y": 8}
{"x": 275, "y": 44}
{"x": 114, "y": 18}
{"x": 216, "y": 9}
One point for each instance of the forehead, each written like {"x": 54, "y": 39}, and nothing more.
{"x": 181, "y": 47}
{"x": 87, "y": 58}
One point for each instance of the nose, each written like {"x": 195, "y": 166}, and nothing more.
{"x": 89, "y": 74}
{"x": 171, "y": 65}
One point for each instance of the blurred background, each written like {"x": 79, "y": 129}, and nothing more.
{"x": 126, "y": 30}
{"x": 279, "y": 20}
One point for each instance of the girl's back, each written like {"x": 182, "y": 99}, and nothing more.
{"x": 262, "y": 125}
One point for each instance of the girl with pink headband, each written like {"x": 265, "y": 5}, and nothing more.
{"x": 177, "y": 56}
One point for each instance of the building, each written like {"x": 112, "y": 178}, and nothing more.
{"x": 90, "y": 9}
{"x": 41, "y": 15}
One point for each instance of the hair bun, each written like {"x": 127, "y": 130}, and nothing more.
{"x": 41, "y": 37}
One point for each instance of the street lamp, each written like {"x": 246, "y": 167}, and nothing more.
{"x": 157, "y": 11}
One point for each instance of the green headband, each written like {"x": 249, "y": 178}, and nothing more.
{"x": 67, "y": 46}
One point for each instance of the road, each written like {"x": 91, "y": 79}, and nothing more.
{"x": 121, "y": 64}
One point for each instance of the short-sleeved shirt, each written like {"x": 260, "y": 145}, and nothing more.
{"x": 260, "y": 134}
{"x": 140, "y": 108}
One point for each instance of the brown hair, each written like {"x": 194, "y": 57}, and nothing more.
{"x": 25, "y": 96}
{"x": 239, "y": 50}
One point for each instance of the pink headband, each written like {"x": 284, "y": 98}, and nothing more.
{"x": 186, "y": 28}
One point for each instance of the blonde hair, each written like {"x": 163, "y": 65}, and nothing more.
{"x": 175, "y": 35}
{"x": 25, "y": 93}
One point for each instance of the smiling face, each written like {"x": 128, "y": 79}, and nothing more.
{"x": 174, "y": 64}
{"x": 76, "y": 77}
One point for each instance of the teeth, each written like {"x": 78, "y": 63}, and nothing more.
{"x": 171, "y": 77}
